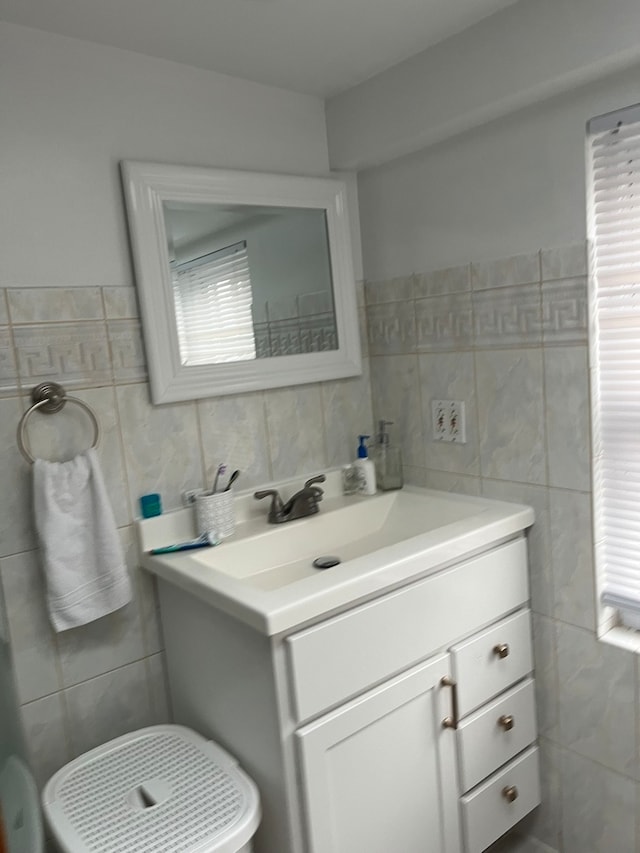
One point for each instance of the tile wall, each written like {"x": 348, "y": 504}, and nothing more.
{"x": 84, "y": 686}
{"x": 510, "y": 339}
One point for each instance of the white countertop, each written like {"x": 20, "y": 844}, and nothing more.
{"x": 455, "y": 527}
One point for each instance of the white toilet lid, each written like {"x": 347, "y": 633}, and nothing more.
{"x": 164, "y": 789}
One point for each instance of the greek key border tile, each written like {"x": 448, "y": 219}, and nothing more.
{"x": 8, "y": 370}
{"x": 127, "y": 350}
{"x": 392, "y": 328}
{"x": 508, "y": 317}
{"x": 444, "y": 323}
{"x": 74, "y": 354}
{"x": 564, "y": 311}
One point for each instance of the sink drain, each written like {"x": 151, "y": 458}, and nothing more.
{"x": 325, "y": 562}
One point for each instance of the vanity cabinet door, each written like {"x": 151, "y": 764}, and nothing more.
{"x": 379, "y": 772}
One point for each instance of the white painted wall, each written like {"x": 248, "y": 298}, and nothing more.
{"x": 504, "y": 188}
{"x": 71, "y": 110}
{"x": 529, "y": 51}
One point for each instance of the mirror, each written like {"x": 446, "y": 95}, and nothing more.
{"x": 245, "y": 279}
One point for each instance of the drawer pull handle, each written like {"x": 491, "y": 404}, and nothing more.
{"x": 506, "y": 721}
{"x": 510, "y": 793}
{"x": 452, "y": 721}
{"x": 501, "y": 650}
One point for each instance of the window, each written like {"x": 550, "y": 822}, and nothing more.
{"x": 212, "y": 296}
{"x": 613, "y": 155}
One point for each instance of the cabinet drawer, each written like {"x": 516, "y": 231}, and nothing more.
{"x": 346, "y": 655}
{"x": 494, "y": 734}
{"x": 487, "y": 812}
{"x": 493, "y": 660}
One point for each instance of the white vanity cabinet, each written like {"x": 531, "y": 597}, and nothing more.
{"x": 379, "y": 772}
{"x": 405, "y": 722}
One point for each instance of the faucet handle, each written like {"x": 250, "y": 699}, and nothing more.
{"x": 319, "y": 478}
{"x": 276, "y": 501}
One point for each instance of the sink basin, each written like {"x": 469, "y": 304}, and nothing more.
{"x": 264, "y": 574}
{"x": 284, "y": 554}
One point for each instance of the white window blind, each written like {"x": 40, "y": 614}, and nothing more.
{"x": 213, "y": 300}
{"x": 614, "y": 226}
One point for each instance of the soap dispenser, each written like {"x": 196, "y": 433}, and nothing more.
{"x": 366, "y": 466}
{"x": 388, "y": 460}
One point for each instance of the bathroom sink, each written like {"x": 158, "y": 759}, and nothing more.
{"x": 284, "y": 554}
{"x": 264, "y": 574}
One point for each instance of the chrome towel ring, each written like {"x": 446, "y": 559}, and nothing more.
{"x": 49, "y": 398}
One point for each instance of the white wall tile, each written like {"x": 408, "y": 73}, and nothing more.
{"x": 395, "y": 395}
{"x": 450, "y": 376}
{"x": 449, "y": 280}
{"x": 45, "y": 729}
{"x": 120, "y": 303}
{"x": 348, "y": 413}
{"x": 16, "y": 523}
{"x": 108, "y": 706}
{"x": 511, "y": 415}
{"x": 567, "y": 409}
{"x": 505, "y": 272}
{"x": 296, "y": 430}
{"x": 564, "y": 262}
{"x": 161, "y": 444}
{"x": 53, "y": 304}
{"x": 538, "y": 537}
{"x": 599, "y": 808}
{"x": 572, "y": 558}
{"x": 32, "y": 639}
{"x": 234, "y": 432}
{"x": 394, "y": 290}
{"x": 597, "y": 709}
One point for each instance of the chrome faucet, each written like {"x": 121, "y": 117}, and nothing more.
{"x": 302, "y": 504}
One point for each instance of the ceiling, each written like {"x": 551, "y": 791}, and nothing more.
{"x": 320, "y": 47}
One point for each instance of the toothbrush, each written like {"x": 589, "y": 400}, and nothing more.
{"x": 232, "y": 480}
{"x": 221, "y": 469}
{"x": 204, "y": 541}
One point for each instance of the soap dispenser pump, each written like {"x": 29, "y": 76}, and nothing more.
{"x": 366, "y": 466}
{"x": 388, "y": 460}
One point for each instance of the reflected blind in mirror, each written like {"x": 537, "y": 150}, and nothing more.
{"x": 212, "y": 297}
{"x": 614, "y": 225}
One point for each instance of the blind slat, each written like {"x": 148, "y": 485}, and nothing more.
{"x": 615, "y": 240}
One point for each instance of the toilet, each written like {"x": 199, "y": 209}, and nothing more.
{"x": 162, "y": 789}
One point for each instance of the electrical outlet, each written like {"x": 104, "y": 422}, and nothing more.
{"x": 448, "y": 421}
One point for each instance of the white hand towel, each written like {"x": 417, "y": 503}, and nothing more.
{"x": 84, "y": 566}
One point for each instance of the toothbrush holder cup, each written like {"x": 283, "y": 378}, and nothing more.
{"x": 215, "y": 513}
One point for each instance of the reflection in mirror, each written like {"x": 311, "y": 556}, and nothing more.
{"x": 249, "y": 281}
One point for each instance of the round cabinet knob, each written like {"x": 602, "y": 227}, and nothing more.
{"x": 510, "y": 793}
{"x": 501, "y": 650}
{"x": 506, "y": 721}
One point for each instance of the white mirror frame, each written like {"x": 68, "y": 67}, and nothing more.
{"x": 146, "y": 187}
